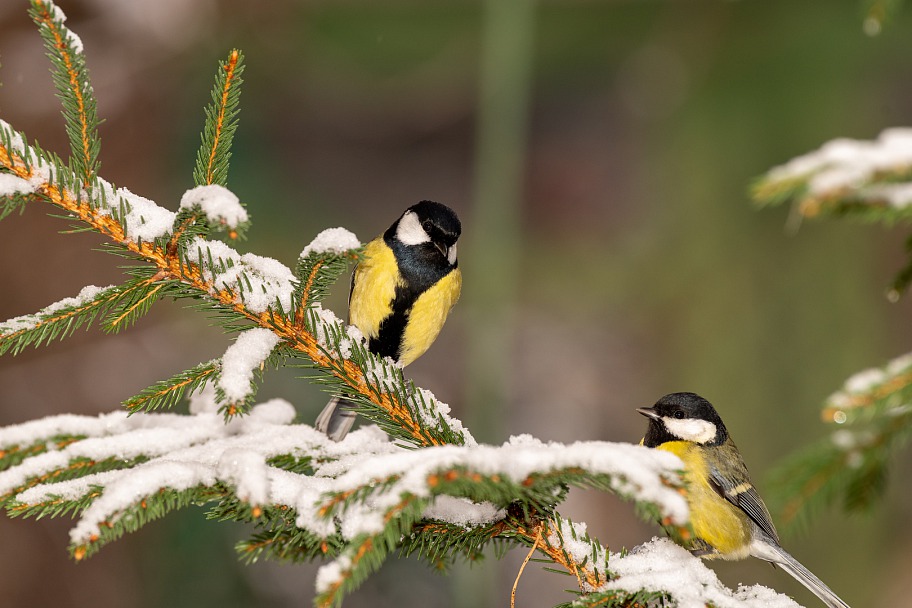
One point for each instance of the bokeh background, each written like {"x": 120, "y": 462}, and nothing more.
{"x": 599, "y": 154}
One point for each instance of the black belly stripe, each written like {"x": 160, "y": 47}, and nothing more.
{"x": 420, "y": 266}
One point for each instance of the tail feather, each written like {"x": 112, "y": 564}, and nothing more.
{"x": 767, "y": 550}
{"x": 336, "y": 419}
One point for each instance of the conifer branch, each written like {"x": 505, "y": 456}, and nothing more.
{"x": 874, "y": 420}
{"x": 221, "y": 123}
{"x": 135, "y": 300}
{"x": 216, "y": 272}
{"x": 165, "y": 394}
{"x": 13, "y": 201}
{"x": 12, "y": 454}
{"x": 58, "y": 321}
{"x": 867, "y": 179}
{"x": 317, "y": 272}
{"x": 75, "y": 468}
{"x": 73, "y": 87}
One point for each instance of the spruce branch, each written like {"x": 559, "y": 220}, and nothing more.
{"x": 319, "y": 269}
{"x": 221, "y": 123}
{"x": 867, "y": 179}
{"x": 872, "y": 414}
{"x": 135, "y": 299}
{"x": 129, "y": 470}
{"x": 76, "y": 467}
{"x": 12, "y": 454}
{"x": 289, "y": 544}
{"x": 13, "y": 194}
{"x": 165, "y": 394}
{"x": 57, "y": 321}
{"x": 254, "y": 289}
{"x": 73, "y": 87}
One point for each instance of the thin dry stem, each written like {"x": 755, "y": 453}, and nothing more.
{"x": 523, "y": 567}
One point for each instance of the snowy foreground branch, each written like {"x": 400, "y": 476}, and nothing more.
{"x": 117, "y": 472}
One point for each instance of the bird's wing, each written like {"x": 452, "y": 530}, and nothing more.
{"x": 737, "y": 489}
{"x": 351, "y": 285}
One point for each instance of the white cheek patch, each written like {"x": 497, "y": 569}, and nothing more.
{"x": 451, "y": 254}
{"x": 698, "y": 431}
{"x": 409, "y": 230}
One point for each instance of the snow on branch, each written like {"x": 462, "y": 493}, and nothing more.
{"x": 872, "y": 414}
{"x": 871, "y": 178}
{"x": 665, "y": 572}
{"x": 117, "y": 462}
{"x": 260, "y": 283}
{"x": 220, "y": 205}
{"x": 248, "y": 354}
{"x": 249, "y": 288}
{"x": 58, "y": 320}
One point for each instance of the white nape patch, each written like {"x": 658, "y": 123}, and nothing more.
{"x": 691, "y": 429}
{"x": 409, "y": 231}
{"x": 451, "y": 254}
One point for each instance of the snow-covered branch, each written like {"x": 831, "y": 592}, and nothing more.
{"x": 872, "y": 178}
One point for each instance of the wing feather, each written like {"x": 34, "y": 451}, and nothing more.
{"x": 737, "y": 488}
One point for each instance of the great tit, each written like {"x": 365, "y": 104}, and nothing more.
{"x": 401, "y": 293}
{"x": 728, "y": 516}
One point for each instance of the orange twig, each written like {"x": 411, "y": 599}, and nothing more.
{"x": 230, "y": 68}
{"x": 299, "y": 314}
{"x": 127, "y": 312}
{"x": 60, "y": 43}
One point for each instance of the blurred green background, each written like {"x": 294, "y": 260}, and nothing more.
{"x": 599, "y": 154}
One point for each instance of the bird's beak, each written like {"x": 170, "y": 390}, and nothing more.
{"x": 648, "y": 412}
{"x": 441, "y": 248}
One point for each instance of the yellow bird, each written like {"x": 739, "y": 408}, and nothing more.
{"x": 728, "y": 516}
{"x": 401, "y": 293}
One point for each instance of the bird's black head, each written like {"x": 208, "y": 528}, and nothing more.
{"x": 683, "y": 417}
{"x": 429, "y": 225}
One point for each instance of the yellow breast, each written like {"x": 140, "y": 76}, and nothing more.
{"x": 714, "y": 520}
{"x": 428, "y": 315}
{"x": 373, "y": 288}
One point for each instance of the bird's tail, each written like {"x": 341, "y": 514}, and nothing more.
{"x": 772, "y": 552}
{"x": 336, "y": 419}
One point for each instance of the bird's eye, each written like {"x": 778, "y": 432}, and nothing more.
{"x": 427, "y": 225}
{"x": 679, "y": 414}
